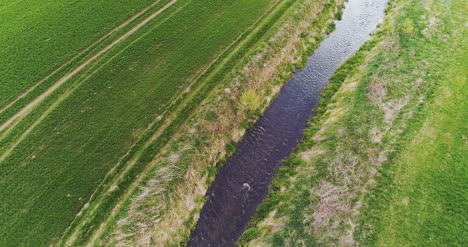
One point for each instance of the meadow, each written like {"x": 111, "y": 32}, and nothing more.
{"x": 56, "y": 155}
{"x": 383, "y": 161}
{"x": 421, "y": 200}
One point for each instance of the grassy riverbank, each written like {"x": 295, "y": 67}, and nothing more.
{"x": 421, "y": 198}
{"x": 383, "y": 162}
{"x": 421, "y": 194}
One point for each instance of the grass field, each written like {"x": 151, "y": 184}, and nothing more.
{"x": 22, "y": 105}
{"x": 39, "y": 36}
{"x": 383, "y": 163}
{"x": 54, "y": 157}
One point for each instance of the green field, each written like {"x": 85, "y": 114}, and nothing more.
{"x": 56, "y": 155}
{"x": 39, "y": 36}
{"x": 384, "y": 161}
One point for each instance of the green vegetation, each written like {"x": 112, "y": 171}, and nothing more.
{"x": 421, "y": 197}
{"x": 39, "y": 36}
{"x": 250, "y": 100}
{"x": 87, "y": 55}
{"x": 159, "y": 112}
{"x": 57, "y": 155}
{"x": 383, "y": 162}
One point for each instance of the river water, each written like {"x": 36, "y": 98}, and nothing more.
{"x": 242, "y": 184}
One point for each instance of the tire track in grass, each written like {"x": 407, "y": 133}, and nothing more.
{"x": 48, "y": 110}
{"x": 164, "y": 127}
{"x": 27, "y": 109}
{"x": 90, "y": 47}
{"x": 78, "y": 83}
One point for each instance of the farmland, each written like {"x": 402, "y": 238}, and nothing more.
{"x": 42, "y": 37}
{"x": 56, "y": 155}
{"x": 384, "y": 160}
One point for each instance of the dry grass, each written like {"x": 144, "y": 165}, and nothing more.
{"x": 378, "y": 90}
{"x": 393, "y": 107}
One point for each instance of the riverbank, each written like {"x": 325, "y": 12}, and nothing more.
{"x": 165, "y": 208}
{"x": 349, "y": 181}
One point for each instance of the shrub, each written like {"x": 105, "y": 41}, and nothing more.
{"x": 250, "y": 100}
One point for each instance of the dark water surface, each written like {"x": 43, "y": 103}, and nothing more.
{"x": 242, "y": 184}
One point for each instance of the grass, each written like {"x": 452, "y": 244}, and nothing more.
{"x": 49, "y": 175}
{"x": 425, "y": 203}
{"x": 41, "y": 86}
{"x": 382, "y": 162}
{"x": 38, "y": 37}
{"x": 421, "y": 196}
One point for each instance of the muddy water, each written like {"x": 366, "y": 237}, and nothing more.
{"x": 243, "y": 182}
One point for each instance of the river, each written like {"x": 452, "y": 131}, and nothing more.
{"x": 242, "y": 184}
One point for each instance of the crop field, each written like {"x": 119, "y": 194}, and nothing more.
{"x": 59, "y": 140}
{"x": 39, "y": 36}
{"x": 384, "y": 161}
